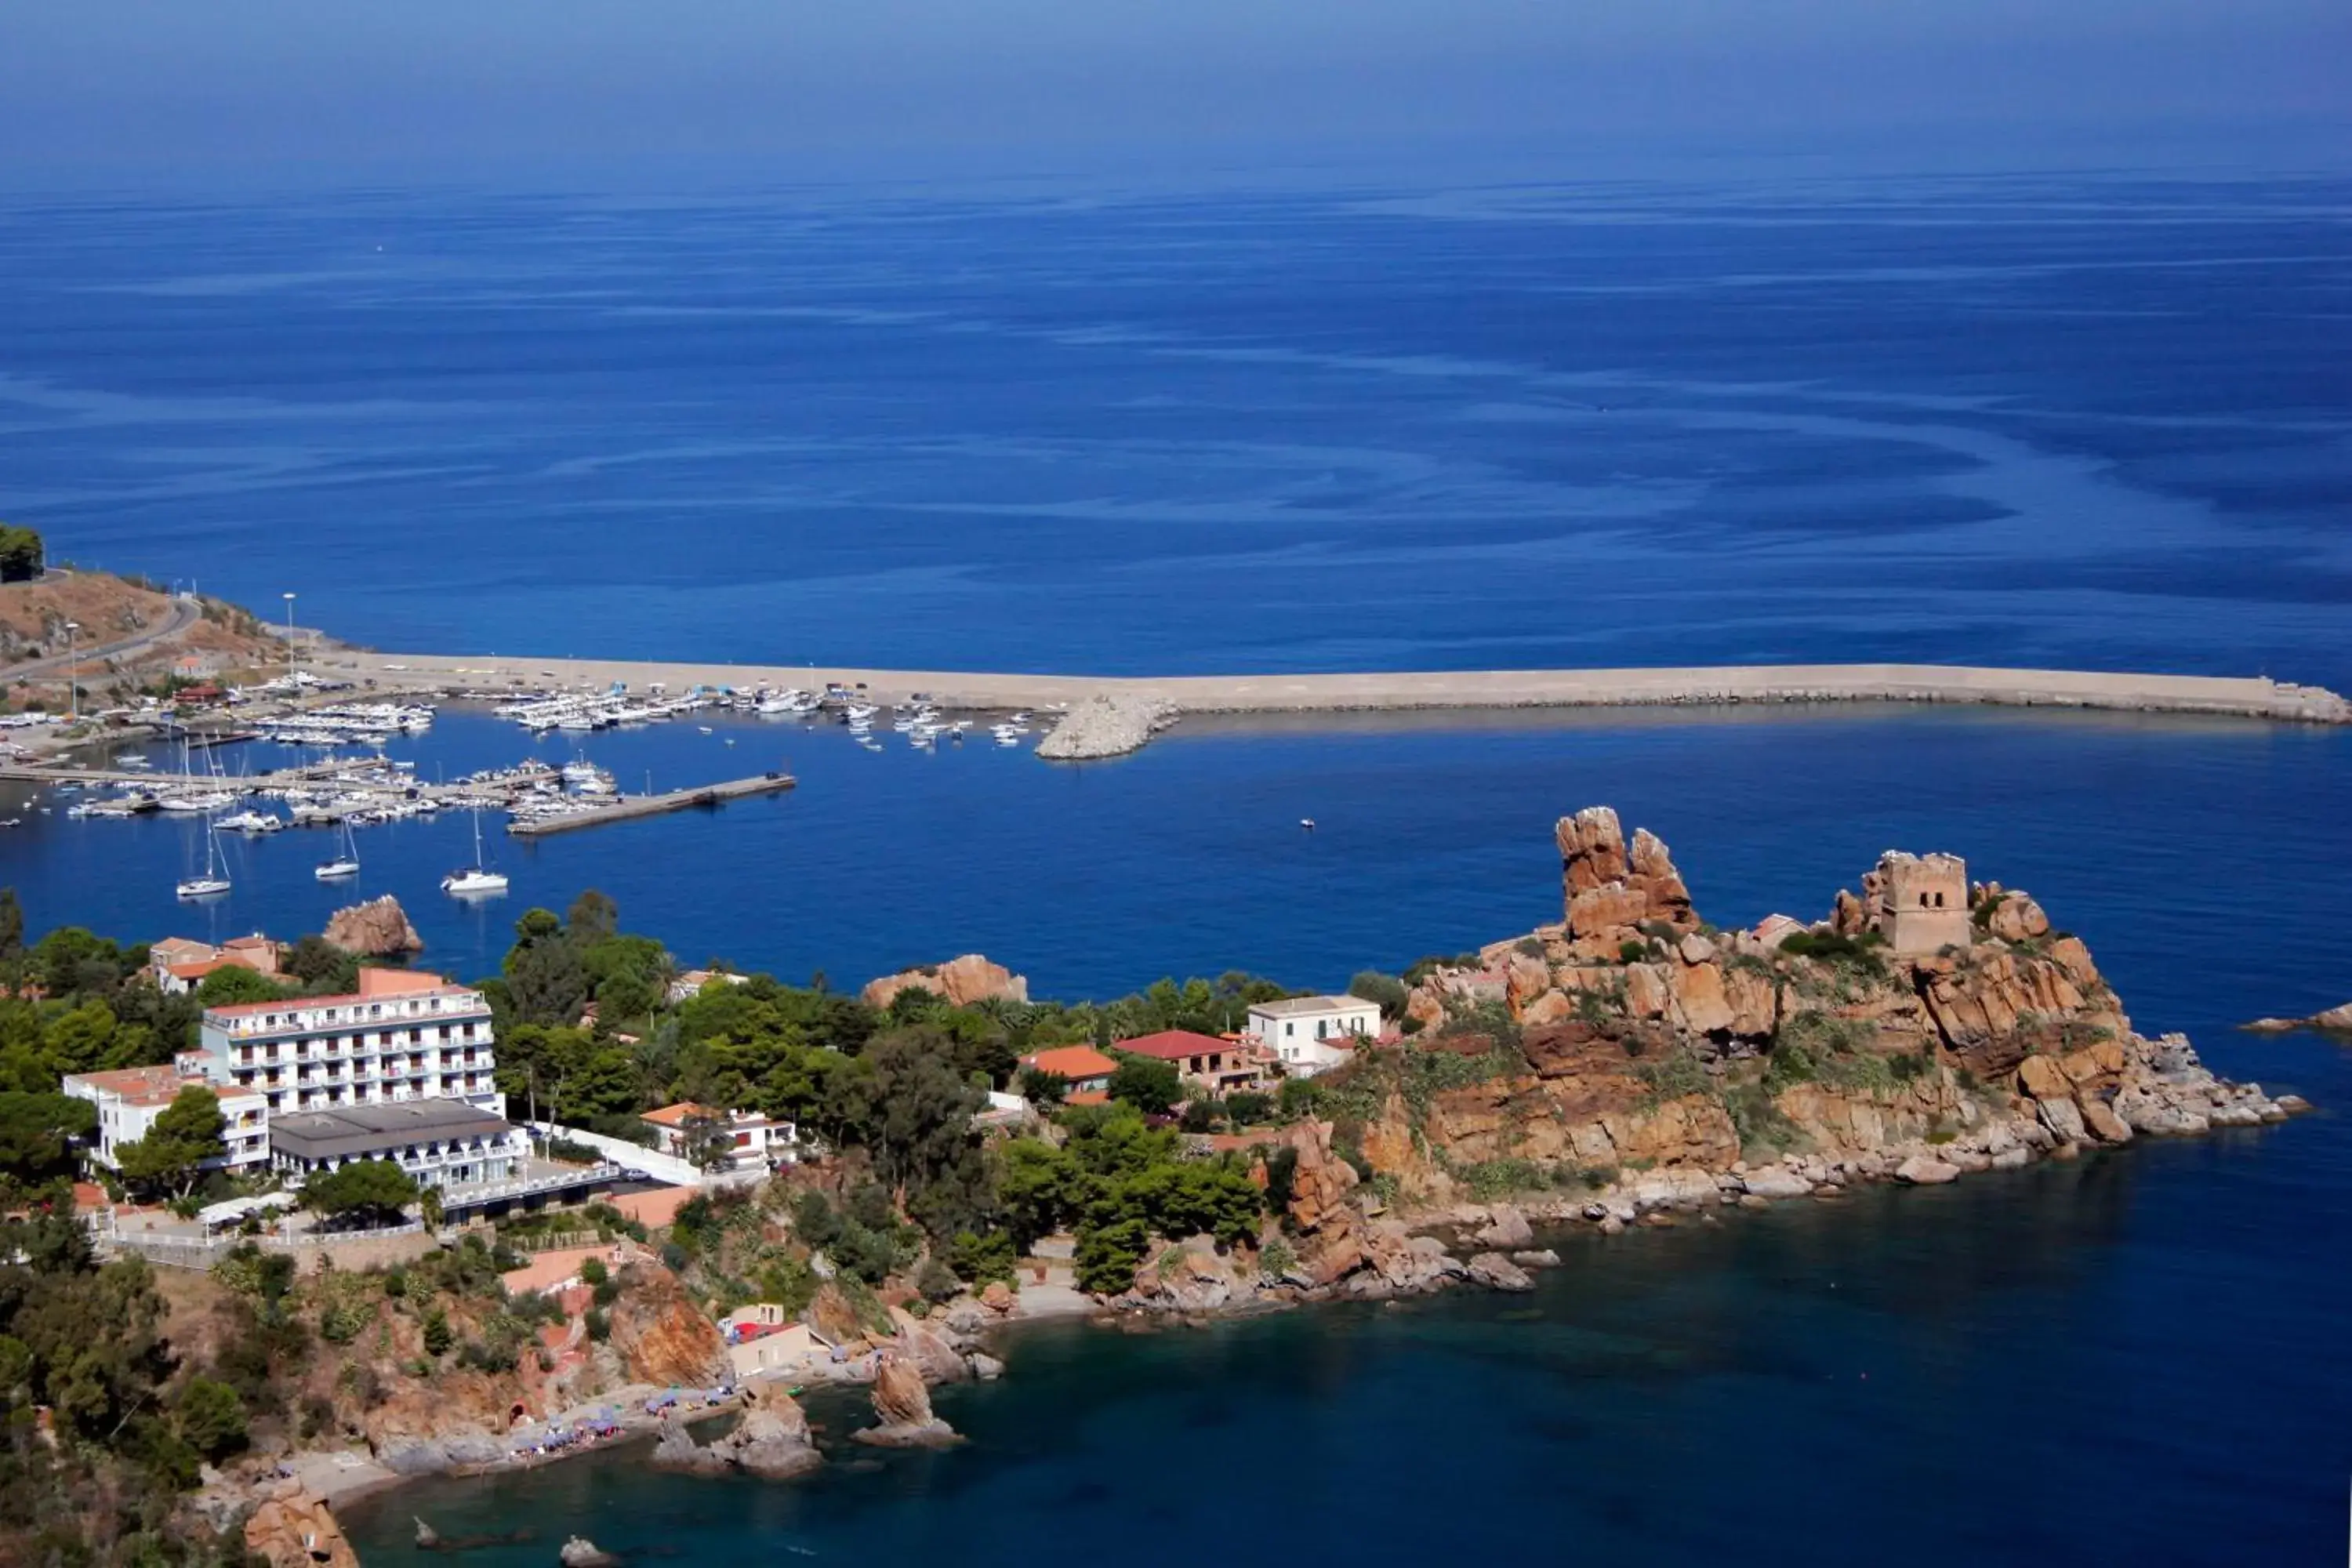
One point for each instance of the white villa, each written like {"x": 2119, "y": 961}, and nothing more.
{"x": 1310, "y": 1035}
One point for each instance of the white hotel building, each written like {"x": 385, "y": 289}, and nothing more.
{"x": 404, "y": 1036}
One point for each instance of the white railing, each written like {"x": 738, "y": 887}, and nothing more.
{"x": 491, "y": 1191}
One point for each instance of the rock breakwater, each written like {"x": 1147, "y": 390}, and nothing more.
{"x": 1105, "y": 725}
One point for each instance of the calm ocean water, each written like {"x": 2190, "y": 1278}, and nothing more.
{"x": 2017, "y": 421}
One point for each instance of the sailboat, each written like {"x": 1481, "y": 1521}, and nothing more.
{"x": 475, "y": 879}
{"x": 346, "y": 864}
{"x": 213, "y": 882}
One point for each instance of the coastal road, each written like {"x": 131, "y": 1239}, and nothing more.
{"x": 184, "y": 613}
{"x": 2244, "y": 696}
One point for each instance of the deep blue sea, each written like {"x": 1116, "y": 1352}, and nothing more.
{"x": 2086, "y": 423}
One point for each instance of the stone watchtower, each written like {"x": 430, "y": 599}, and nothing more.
{"x": 1919, "y": 903}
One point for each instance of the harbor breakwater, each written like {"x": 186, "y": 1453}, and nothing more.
{"x": 1105, "y": 716}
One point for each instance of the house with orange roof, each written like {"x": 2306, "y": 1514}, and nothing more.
{"x": 1083, "y": 1069}
{"x": 179, "y": 964}
{"x": 1207, "y": 1062}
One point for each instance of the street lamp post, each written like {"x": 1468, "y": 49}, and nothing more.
{"x": 291, "y": 667}
{"x": 73, "y": 687}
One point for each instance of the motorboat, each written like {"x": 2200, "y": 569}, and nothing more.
{"x": 249, "y": 822}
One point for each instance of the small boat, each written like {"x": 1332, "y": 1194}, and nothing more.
{"x": 346, "y": 864}
{"x": 212, "y": 884}
{"x": 1307, "y": 822}
{"x": 476, "y": 878}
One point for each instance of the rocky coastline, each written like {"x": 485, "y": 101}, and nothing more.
{"x": 1626, "y": 1064}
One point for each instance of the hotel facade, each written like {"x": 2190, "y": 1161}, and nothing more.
{"x": 403, "y": 1036}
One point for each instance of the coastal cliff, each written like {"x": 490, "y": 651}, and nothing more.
{"x": 1649, "y": 1054}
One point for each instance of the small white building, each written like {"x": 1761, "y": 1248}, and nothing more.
{"x": 1310, "y": 1035}
{"x": 694, "y": 981}
{"x": 753, "y": 1141}
{"x": 130, "y": 1098}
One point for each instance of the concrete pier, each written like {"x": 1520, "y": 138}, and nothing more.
{"x": 2253, "y": 697}
{"x": 629, "y": 807}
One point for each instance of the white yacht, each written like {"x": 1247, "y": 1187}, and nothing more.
{"x": 249, "y": 822}
{"x": 342, "y": 866}
{"x": 212, "y": 884}
{"x": 476, "y": 878}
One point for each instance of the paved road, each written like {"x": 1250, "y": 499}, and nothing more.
{"x": 184, "y": 613}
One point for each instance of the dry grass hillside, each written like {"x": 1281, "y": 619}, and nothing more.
{"x": 217, "y": 640}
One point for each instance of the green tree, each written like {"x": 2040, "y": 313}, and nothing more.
{"x": 438, "y": 1334}
{"x": 183, "y": 1135}
{"x": 1386, "y": 990}
{"x": 547, "y": 981}
{"x": 211, "y": 1418}
{"x": 913, "y": 1111}
{"x": 36, "y": 1135}
{"x": 1108, "y": 1256}
{"x": 22, "y": 554}
{"x": 1148, "y": 1084}
{"x": 593, "y": 918}
{"x": 370, "y": 1191}
{"x": 324, "y": 969}
{"x": 232, "y": 983}
{"x": 12, "y": 925}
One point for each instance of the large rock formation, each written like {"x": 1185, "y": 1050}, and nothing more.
{"x": 772, "y": 1440}
{"x": 1924, "y": 1024}
{"x": 377, "y": 929}
{"x": 961, "y": 981}
{"x": 902, "y": 1408}
{"x": 1611, "y": 895}
{"x": 296, "y": 1529}
{"x": 661, "y": 1336}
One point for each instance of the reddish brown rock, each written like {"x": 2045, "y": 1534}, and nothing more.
{"x": 1591, "y": 850}
{"x": 1320, "y": 1181}
{"x": 902, "y": 1408}
{"x": 377, "y": 929}
{"x": 961, "y": 981}
{"x": 297, "y": 1529}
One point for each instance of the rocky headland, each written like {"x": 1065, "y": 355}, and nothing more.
{"x": 1630, "y": 1060}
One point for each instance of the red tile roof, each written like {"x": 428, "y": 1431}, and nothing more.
{"x": 1075, "y": 1062}
{"x": 1173, "y": 1044}
{"x": 142, "y": 1086}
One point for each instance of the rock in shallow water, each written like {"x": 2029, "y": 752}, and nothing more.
{"x": 1498, "y": 1272}
{"x": 1921, "y": 1170}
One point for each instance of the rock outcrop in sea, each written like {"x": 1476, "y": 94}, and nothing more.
{"x": 961, "y": 981}
{"x": 377, "y": 929}
{"x": 2334, "y": 1021}
{"x": 902, "y": 1408}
